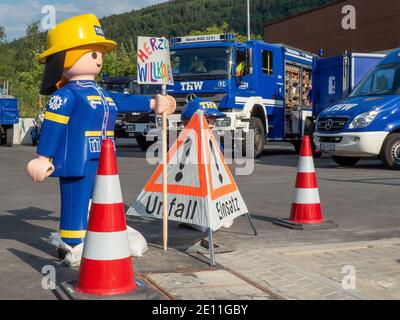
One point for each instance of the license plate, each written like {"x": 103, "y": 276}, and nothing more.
{"x": 131, "y": 134}
{"x": 130, "y": 128}
{"x": 328, "y": 147}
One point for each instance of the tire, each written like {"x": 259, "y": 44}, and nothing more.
{"x": 2, "y": 135}
{"x": 9, "y": 136}
{"x": 317, "y": 154}
{"x": 34, "y": 137}
{"x": 143, "y": 143}
{"x": 346, "y": 161}
{"x": 297, "y": 145}
{"x": 259, "y": 138}
{"x": 390, "y": 153}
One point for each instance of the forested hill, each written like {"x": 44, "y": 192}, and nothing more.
{"x": 18, "y": 62}
{"x": 179, "y": 17}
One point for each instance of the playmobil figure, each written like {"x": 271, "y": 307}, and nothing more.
{"x": 212, "y": 113}
{"x": 79, "y": 115}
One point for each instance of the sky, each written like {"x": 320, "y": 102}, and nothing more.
{"x": 15, "y": 15}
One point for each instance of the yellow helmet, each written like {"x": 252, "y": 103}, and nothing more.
{"x": 75, "y": 32}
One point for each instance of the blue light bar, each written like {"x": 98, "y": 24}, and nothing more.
{"x": 202, "y": 38}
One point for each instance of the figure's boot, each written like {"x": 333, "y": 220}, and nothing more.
{"x": 61, "y": 252}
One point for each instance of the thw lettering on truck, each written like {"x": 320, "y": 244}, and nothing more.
{"x": 194, "y": 85}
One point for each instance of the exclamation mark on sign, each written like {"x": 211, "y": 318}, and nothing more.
{"x": 186, "y": 152}
{"x": 220, "y": 177}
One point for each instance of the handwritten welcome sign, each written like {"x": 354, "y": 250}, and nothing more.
{"x": 154, "y": 63}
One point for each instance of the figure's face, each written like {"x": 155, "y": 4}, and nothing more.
{"x": 89, "y": 64}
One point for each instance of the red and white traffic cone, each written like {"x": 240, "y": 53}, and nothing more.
{"x": 106, "y": 266}
{"x": 306, "y": 210}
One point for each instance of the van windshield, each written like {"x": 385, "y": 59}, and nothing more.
{"x": 382, "y": 80}
{"x": 201, "y": 63}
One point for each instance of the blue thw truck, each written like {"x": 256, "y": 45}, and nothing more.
{"x": 267, "y": 88}
{"x": 9, "y": 115}
{"x": 367, "y": 123}
{"x": 260, "y": 86}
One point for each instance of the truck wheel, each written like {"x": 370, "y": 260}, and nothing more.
{"x": 9, "y": 136}
{"x": 317, "y": 154}
{"x": 346, "y": 161}
{"x": 259, "y": 137}
{"x": 390, "y": 154}
{"x": 297, "y": 145}
{"x": 143, "y": 143}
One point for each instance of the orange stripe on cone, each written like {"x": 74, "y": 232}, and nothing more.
{"x": 306, "y": 180}
{"x": 107, "y": 220}
{"x": 106, "y": 265}
{"x": 106, "y": 277}
{"x": 306, "y": 150}
{"x": 107, "y": 162}
{"x": 306, "y": 207}
{"x": 306, "y": 213}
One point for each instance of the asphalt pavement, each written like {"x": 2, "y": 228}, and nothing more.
{"x": 362, "y": 200}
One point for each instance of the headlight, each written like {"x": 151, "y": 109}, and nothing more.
{"x": 363, "y": 120}
{"x": 224, "y": 122}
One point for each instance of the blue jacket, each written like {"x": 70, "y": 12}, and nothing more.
{"x": 78, "y": 116}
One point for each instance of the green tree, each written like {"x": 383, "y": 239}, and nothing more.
{"x": 121, "y": 62}
{"x": 224, "y": 28}
{"x": 2, "y": 34}
{"x": 243, "y": 38}
{"x": 214, "y": 29}
{"x": 18, "y": 62}
{"x": 29, "y": 71}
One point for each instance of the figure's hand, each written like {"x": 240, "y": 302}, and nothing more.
{"x": 163, "y": 103}
{"x": 39, "y": 169}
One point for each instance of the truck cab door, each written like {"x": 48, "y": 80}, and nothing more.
{"x": 270, "y": 86}
{"x": 243, "y": 71}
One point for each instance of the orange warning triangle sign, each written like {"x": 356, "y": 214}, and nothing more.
{"x": 221, "y": 179}
{"x": 194, "y": 152}
{"x": 201, "y": 188}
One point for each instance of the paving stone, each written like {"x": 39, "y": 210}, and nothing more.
{"x": 207, "y": 285}
{"x": 326, "y": 291}
{"x": 317, "y": 273}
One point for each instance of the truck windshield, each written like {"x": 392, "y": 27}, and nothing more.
{"x": 117, "y": 87}
{"x": 202, "y": 63}
{"x": 382, "y": 80}
{"x": 133, "y": 88}
{"x": 148, "y": 89}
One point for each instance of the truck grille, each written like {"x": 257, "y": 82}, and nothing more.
{"x": 330, "y": 139}
{"x": 142, "y": 117}
{"x": 331, "y": 124}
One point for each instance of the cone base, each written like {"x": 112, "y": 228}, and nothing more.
{"x": 67, "y": 291}
{"x": 104, "y": 278}
{"x": 100, "y": 292}
{"x": 286, "y": 223}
